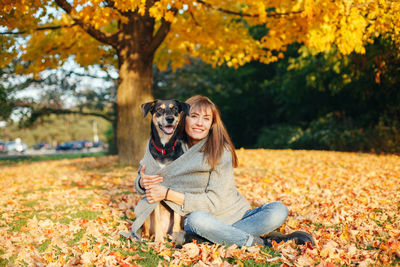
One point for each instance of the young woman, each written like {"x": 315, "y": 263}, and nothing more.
{"x": 204, "y": 186}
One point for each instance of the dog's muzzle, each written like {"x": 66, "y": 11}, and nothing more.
{"x": 167, "y": 129}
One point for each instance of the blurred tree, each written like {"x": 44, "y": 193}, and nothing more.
{"x": 130, "y": 35}
{"x": 325, "y": 91}
{"x": 5, "y": 94}
{"x": 364, "y": 87}
{"x": 55, "y": 92}
{"x": 331, "y": 101}
{"x": 245, "y": 104}
{"x": 56, "y": 129}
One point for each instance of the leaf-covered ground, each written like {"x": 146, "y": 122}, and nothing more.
{"x": 70, "y": 212}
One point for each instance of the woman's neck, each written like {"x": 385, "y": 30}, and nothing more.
{"x": 192, "y": 142}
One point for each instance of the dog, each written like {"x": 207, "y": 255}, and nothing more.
{"x": 166, "y": 145}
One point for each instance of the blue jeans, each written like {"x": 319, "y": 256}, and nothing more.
{"x": 255, "y": 222}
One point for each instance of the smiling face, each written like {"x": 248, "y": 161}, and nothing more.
{"x": 198, "y": 124}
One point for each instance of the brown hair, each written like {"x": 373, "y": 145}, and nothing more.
{"x": 218, "y": 137}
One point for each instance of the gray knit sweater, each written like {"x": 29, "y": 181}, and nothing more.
{"x": 211, "y": 190}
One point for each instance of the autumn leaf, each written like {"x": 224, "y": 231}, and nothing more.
{"x": 71, "y": 211}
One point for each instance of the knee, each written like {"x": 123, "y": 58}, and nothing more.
{"x": 196, "y": 219}
{"x": 279, "y": 212}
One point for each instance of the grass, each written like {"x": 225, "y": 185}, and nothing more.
{"x": 42, "y": 247}
{"x": 86, "y": 214}
{"x": 30, "y": 204}
{"x": 77, "y": 237}
{"x": 18, "y": 224}
{"x": 27, "y": 158}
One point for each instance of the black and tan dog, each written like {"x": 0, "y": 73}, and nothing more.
{"x": 166, "y": 145}
{"x": 167, "y": 126}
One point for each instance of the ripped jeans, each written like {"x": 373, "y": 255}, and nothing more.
{"x": 255, "y": 222}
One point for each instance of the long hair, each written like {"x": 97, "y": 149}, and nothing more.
{"x": 218, "y": 137}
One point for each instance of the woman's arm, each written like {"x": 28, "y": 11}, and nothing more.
{"x": 144, "y": 181}
{"x": 216, "y": 194}
{"x": 157, "y": 193}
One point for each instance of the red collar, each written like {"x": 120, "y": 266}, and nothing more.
{"x": 162, "y": 151}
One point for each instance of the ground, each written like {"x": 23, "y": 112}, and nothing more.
{"x": 66, "y": 212}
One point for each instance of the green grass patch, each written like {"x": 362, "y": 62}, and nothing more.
{"x": 126, "y": 193}
{"x": 18, "y": 224}
{"x": 85, "y": 201}
{"x": 252, "y": 263}
{"x": 87, "y": 186}
{"x": 151, "y": 257}
{"x": 25, "y": 193}
{"x": 4, "y": 262}
{"x": 396, "y": 262}
{"x": 77, "y": 237}
{"x": 42, "y": 247}
{"x": 30, "y": 204}
{"x": 86, "y": 214}
{"x": 21, "y": 218}
{"x": 317, "y": 226}
{"x": 44, "y": 189}
{"x": 65, "y": 220}
{"x": 26, "y": 158}
{"x": 377, "y": 211}
{"x": 95, "y": 187}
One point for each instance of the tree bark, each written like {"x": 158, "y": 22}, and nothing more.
{"x": 134, "y": 89}
{"x": 132, "y": 129}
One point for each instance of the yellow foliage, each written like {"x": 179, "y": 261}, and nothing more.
{"x": 214, "y": 32}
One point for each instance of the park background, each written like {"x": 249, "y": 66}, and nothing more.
{"x": 326, "y": 101}
{"x": 293, "y": 80}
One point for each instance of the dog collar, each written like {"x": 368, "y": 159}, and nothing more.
{"x": 161, "y": 150}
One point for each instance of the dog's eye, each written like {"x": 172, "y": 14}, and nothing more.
{"x": 160, "y": 110}
{"x": 174, "y": 109}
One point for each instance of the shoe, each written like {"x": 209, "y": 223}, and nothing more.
{"x": 299, "y": 237}
{"x": 257, "y": 241}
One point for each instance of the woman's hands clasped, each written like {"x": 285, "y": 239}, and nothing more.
{"x": 151, "y": 183}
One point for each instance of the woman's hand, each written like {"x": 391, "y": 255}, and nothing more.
{"x": 148, "y": 180}
{"x": 156, "y": 193}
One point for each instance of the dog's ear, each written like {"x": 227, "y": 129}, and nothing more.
{"x": 185, "y": 107}
{"x": 146, "y": 107}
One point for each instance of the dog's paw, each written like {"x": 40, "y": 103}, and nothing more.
{"x": 178, "y": 238}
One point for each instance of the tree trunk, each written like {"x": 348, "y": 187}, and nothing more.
{"x": 132, "y": 129}
{"x": 134, "y": 89}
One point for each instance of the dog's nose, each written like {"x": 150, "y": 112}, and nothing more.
{"x": 169, "y": 119}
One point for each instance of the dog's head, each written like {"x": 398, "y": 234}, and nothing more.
{"x": 166, "y": 115}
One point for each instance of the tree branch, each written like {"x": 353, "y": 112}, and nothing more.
{"x": 161, "y": 33}
{"x": 108, "y": 77}
{"x": 43, "y": 111}
{"x": 110, "y": 39}
{"x": 241, "y": 14}
{"x": 47, "y": 111}
{"x": 44, "y": 28}
{"x": 194, "y": 19}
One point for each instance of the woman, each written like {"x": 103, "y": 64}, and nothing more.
{"x": 214, "y": 208}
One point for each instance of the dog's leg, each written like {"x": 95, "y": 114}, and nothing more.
{"x": 148, "y": 226}
{"x": 177, "y": 223}
{"x": 157, "y": 225}
{"x": 178, "y": 235}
